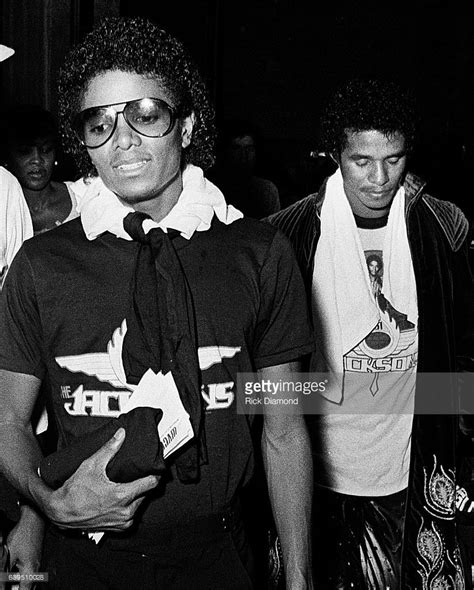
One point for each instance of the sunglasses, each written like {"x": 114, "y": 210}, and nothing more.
{"x": 151, "y": 117}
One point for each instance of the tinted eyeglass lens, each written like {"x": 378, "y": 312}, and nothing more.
{"x": 151, "y": 117}
{"x": 97, "y": 126}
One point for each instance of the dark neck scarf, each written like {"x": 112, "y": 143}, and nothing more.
{"x": 161, "y": 332}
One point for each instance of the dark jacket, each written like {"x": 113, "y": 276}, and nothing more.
{"x": 438, "y": 238}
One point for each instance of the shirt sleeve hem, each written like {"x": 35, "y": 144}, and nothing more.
{"x": 286, "y": 356}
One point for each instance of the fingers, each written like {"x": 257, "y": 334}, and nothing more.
{"x": 90, "y": 500}
{"x": 141, "y": 486}
{"x": 110, "y": 448}
{"x": 135, "y": 490}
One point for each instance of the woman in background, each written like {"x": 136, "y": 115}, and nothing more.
{"x": 29, "y": 138}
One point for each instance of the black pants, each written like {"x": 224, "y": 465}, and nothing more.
{"x": 206, "y": 554}
{"x": 357, "y": 541}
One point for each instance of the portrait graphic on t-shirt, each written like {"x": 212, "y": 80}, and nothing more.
{"x": 375, "y": 268}
{"x": 391, "y": 345}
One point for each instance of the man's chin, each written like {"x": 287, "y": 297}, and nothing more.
{"x": 134, "y": 198}
{"x": 131, "y": 190}
{"x": 136, "y": 191}
{"x": 379, "y": 202}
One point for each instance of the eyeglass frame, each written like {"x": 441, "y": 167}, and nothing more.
{"x": 174, "y": 111}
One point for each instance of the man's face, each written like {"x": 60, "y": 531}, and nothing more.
{"x": 32, "y": 162}
{"x": 373, "y": 267}
{"x": 242, "y": 153}
{"x": 372, "y": 168}
{"x": 136, "y": 168}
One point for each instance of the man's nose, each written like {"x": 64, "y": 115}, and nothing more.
{"x": 124, "y": 135}
{"x": 379, "y": 174}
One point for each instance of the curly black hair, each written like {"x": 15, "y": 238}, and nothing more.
{"x": 25, "y": 124}
{"x": 364, "y": 105}
{"x": 140, "y": 46}
{"x": 371, "y": 257}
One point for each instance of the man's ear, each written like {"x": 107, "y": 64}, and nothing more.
{"x": 335, "y": 157}
{"x": 187, "y": 130}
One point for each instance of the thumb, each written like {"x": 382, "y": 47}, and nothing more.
{"x": 111, "y": 447}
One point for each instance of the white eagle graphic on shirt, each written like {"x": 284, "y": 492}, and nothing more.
{"x": 108, "y": 367}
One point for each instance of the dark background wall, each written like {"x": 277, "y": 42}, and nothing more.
{"x": 276, "y": 61}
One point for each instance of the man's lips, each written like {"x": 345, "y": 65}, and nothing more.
{"x": 379, "y": 193}
{"x": 130, "y": 165}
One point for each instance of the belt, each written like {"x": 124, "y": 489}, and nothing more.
{"x": 203, "y": 526}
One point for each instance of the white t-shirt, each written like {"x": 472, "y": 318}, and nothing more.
{"x": 366, "y": 449}
{"x": 15, "y": 220}
{"x": 16, "y": 227}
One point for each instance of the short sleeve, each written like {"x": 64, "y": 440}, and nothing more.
{"x": 20, "y": 323}
{"x": 283, "y": 332}
{"x": 15, "y": 220}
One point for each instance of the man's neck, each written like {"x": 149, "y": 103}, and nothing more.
{"x": 157, "y": 209}
{"x": 371, "y": 222}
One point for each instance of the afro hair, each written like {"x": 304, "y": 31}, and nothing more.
{"x": 365, "y": 105}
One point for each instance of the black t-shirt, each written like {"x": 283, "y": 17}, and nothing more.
{"x": 62, "y": 315}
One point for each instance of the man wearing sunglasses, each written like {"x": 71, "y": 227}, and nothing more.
{"x": 145, "y": 309}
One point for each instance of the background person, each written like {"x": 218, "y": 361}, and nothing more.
{"x": 15, "y": 221}
{"x": 21, "y": 527}
{"x": 29, "y": 150}
{"x": 238, "y": 170}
